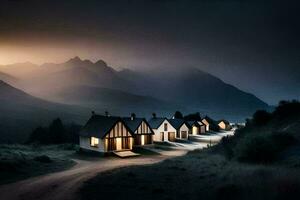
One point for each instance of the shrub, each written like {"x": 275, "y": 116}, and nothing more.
{"x": 261, "y": 117}
{"x": 56, "y": 133}
{"x": 193, "y": 117}
{"x": 43, "y": 159}
{"x": 287, "y": 109}
{"x": 226, "y": 144}
{"x": 178, "y": 115}
{"x": 262, "y": 148}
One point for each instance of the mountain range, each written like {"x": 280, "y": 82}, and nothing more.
{"x": 63, "y": 89}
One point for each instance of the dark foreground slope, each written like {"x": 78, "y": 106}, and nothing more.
{"x": 215, "y": 173}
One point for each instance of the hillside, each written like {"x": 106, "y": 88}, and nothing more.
{"x": 21, "y": 112}
{"x": 190, "y": 88}
{"x": 115, "y": 101}
{"x": 21, "y": 70}
{"x": 200, "y": 90}
{"x": 8, "y": 78}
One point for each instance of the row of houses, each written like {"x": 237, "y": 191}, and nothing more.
{"x": 109, "y": 133}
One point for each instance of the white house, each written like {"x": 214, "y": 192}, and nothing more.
{"x": 105, "y": 134}
{"x": 182, "y": 128}
{"x": 206, "y": 122}
{"x": 224, "y": 124}
{"x": 163, "y": 130}
{"x": 142, "y": 132}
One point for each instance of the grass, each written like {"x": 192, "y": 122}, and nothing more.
{"x": 201, "y": 174}
{"x": 19, "y": 162}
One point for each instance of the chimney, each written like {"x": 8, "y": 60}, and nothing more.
{"x": 154, "y": 115}
{"x": 132, "y": 116}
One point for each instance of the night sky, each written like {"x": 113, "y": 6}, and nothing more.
{"x": 254, "y": 45}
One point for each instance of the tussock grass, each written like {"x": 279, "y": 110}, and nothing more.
{"x": 198, "y": 175}
{"x": 23, "y": 161}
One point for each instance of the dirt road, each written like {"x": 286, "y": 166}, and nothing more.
{"x": 64, "y": 185}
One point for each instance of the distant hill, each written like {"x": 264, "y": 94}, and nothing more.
{"x": 20, "y": 113}
{"x": 21, "y": 70}
{"x": 115, "y": 101}
{"x": 190, "y": 88}
{"x": 74, "y": 72}
{"x": 199, "y": 90}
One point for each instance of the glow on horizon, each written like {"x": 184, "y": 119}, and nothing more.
{"x": 38, "y": 55}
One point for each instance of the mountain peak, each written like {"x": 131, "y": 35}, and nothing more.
{"x": 78, "y": 61}
{"x": 101, "y": 62}
{"x": 75, "y": 60}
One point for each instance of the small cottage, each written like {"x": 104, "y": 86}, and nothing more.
{"x": 142, "y": 132}
{"x": 194, "y": 127}
{"x": 202, "y": 128}
{"x": 182, "y": 128}
{"x": 211, "y": 125}
{"x": 206, "y": 123}
{"x": 105, "y": 134}
{"x": 224, "y": 124}
{"x": 163, "y": 130}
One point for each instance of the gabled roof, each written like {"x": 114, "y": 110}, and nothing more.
{"x": 99, "y": 126}
{"x": 225, "y": 121}
{"x": 210, "y": 120}
{"x": 155, "y": 122}
{"x": 201, "y": 123}
{"x": 192, "y": 123}
{"x": 134, "y": 123}
{"x": 177, "y": 123}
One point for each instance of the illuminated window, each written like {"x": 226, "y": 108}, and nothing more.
{"x": 165, "y": 127}
{"x": 94, "y": 142}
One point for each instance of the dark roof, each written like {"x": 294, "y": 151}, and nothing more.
{"x": 99, "y": 125}
{"x": 134, "y": 123}
{"x": 191, "y": 123}
{"x": 177, "y": 123}
{"x": 210, "y": 120}
{"x": 202, "y": 124}
{"x": 155, "y": 122}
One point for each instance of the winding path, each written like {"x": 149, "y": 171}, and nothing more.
{"x": 64, "y": 185}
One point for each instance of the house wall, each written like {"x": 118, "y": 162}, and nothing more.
{"x": 85, "y": 143}
{"x": 222, "y": 125}
{"x": 160, "y": 129}
{"x": 143, "y": 130}
{"x": 183, "y": 128}
{"x": 206, "y": 123}
{"x": 119, "y": 131}
{"x": 195, "y": 130}
{"x": 202, "y": 129}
